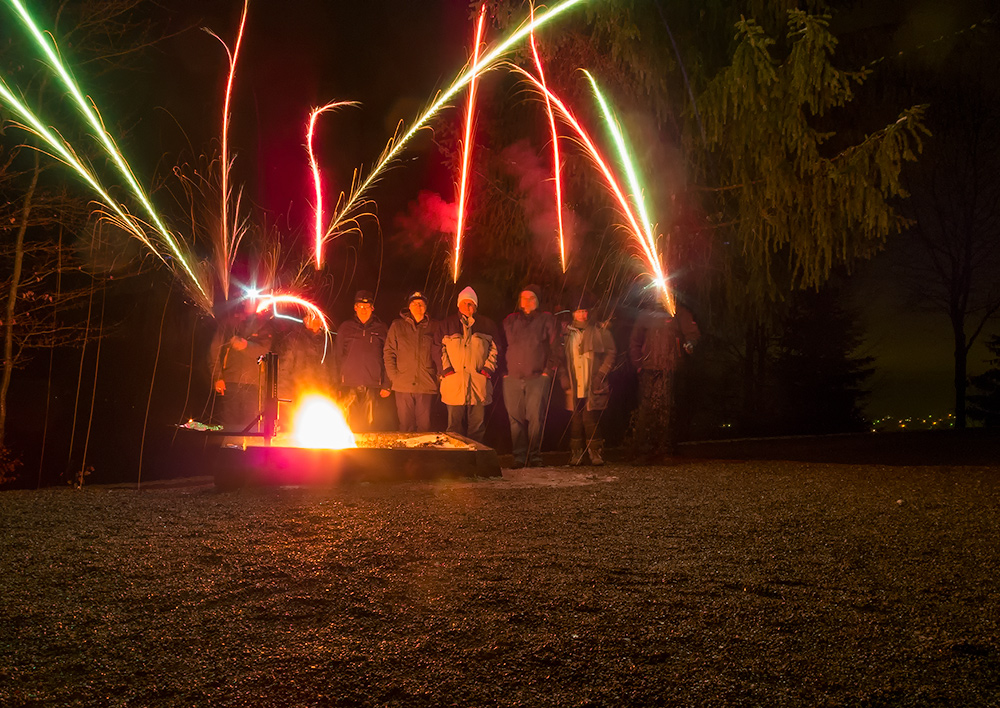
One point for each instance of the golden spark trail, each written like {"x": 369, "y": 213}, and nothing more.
{"x": 394, "y": 148}
{"x": 556, "y": 165}
{"x": 91, "y": 116}
{"x": 616, "y": 189}
{"x": 637, "y": 192}
{"x": 463, "y": 186}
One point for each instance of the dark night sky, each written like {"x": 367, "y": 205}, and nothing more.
{"x": 391, "y": 56}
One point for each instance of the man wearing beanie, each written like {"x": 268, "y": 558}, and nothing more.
{"x": 359, "y": 364}
{"x": 469, "y": 356}
{"x": 409, "y": 364}
{"x": 532, "y": 358}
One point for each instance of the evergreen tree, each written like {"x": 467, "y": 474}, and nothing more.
{"x": 985, "y": 404}
{"x": 819, "y": 375}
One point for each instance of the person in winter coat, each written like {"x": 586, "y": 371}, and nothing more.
{"x": 409, "y": 364}
{"x": 469, "y": 357}
{"x": 589, "y": 351}
{"x": 532, "y": 358}
{"x": 658, "y": 343}
{"x": 305, "y": 359}
{"x": 359, "y": 364}
{"x": 236, "y": 349}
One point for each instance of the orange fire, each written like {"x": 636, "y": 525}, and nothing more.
{"x": 319, "y": 423}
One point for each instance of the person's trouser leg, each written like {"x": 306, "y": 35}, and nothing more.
{"x": 477, "y": 422}
{"x": 535, "y": 405}
{"x": 514, "y": 400}
{"x": 239, "y": 406}
{"x": 652, "y": 423}
{"x": 422, "y": 409}
{"x": 456, "y": 419}
{"x": 405, "y": 411}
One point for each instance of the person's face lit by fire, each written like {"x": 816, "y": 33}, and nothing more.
{"x": 363, "y": 310}
{"x": 528, "y": 302}
{"x": 580, "y": 317}
{"x": 418, "y": 308}
{"x": 467, "y": 308}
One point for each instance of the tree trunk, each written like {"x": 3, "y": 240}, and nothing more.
{"x": 15, "y": 284}
{"x": 961, "y": 371}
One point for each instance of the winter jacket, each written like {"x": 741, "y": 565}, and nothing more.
{"x": 469, "y": 358}
{"x": 239, "y": 366}
{"x": 657, "y": 339}
{"x": 408, "y": 355}
{"x": 359, "y": 353}
{"x": 532, "y": 344}
{"x": 305, "y": 362}
{"x": 594, "y": 348}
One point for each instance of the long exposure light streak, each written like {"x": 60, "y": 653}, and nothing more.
{"x": 272, "y": 300}
{"x": 463, "y": 182}
{"x": 104, "y": 138}
{"x": 317, "y": 181}
{"x": 485, "y": 61}
{"x": 649, "y": 250}
{"x": 227, "y": 245}
{"x": 638, "y": 193}
{"x": 556, "y": 164}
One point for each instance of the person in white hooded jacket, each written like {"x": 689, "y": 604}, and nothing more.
{"x": 469, "y": 356}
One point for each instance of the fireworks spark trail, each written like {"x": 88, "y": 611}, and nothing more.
{"x": 556, "y": 164}
{"x": 649, "y": 250}
{"x": 227, "y": 244}
{"x": 317, "y": 182}
{"x": 115, "y": 212}
{"x": 463, "y": 185}
{"x": 638, "y": 198}
{"x": 93, "y": 119}
{"x": 272, "y": 300}
{"x": 485, "y": 62}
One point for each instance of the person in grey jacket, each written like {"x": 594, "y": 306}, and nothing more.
{"x": 532, "y": 358}
{"x": 409, "y": 364}
{"x": 589, "y": 351}
{"x": 469, "y": 354}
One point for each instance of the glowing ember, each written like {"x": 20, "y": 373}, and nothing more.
{"x": 319, "y": 423}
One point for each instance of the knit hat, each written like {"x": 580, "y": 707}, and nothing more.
{"x": 364, "y": 296}
{"x": 469, "y": 294}
{"x": 534, "y": 290}
{"x": 416, "y": 295}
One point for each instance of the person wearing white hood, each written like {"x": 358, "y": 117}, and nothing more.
{"x": 469, "y": 356}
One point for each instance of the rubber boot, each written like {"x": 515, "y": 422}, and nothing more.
{"x": 576, "y": 450}
{"x": 596, "y": 448}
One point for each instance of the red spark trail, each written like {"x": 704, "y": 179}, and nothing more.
{"x": 226, "y": 255}
{"x": 651, "y": 257}
{"x": 467, "y": 147}
{"x": 556, "y": 165}
{"x": 317, "y": 182}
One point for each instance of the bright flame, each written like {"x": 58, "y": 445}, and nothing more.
{"x": 319, "y": 423}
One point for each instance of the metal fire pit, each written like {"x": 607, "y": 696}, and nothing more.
{"x": 380, "y": 457}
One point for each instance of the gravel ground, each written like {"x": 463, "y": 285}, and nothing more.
{"x": 708, "y": 583}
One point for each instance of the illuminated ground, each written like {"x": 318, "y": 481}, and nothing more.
{"x": 706, "y": 583}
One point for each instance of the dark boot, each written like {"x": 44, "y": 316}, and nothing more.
{"x": 576, "y": 450}
{"x": 596, "y": 448}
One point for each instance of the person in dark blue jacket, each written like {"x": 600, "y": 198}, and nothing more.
{"x": 532, "y": 356}
{"x": 360, "y": 368}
